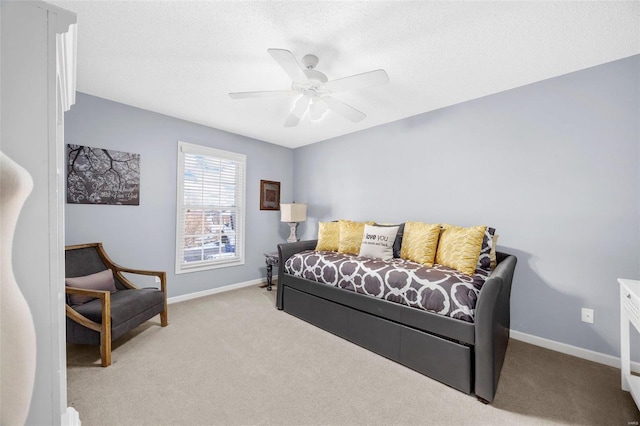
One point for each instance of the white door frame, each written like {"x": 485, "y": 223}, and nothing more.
{"x": 62, "y": 87}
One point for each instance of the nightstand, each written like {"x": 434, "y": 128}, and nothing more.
{"x": 271, "y": 259}
{"x": 629, "y": 313}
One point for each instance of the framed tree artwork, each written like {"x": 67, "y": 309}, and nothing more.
{"x": 269, "y": 195}
{"x": 102, "y": 176}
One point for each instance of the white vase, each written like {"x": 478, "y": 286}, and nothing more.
{"x": 17, "y": 333}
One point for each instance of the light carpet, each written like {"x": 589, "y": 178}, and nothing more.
{"x": 234, "y": 359}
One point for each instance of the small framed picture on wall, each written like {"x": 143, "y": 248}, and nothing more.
{"x": 269, "y": 195}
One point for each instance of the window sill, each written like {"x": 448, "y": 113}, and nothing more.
{"x": 208, "y": 266}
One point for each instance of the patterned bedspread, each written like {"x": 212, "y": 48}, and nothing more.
{"x": 438, "y": 289}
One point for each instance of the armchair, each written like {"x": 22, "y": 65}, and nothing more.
{"x": 108, "y": 315}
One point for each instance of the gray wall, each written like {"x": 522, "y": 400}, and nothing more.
{"x": 554, "y": 166}
{"x": 144, "y": 236}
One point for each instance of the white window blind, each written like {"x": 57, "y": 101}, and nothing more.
{"x": 210, "y": 208}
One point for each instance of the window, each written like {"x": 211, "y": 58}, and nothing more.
{"x": 210, "y": 208}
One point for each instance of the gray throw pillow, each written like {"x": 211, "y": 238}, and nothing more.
{"x": 397, "y": 244}
{"x": 98, "y": 281}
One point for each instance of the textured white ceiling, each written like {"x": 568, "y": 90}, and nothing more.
{"x": 182, "y": 58}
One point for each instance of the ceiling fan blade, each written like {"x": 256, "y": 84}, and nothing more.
{"x": 343, "y": 109}
{"x": 301, "y": 106}
{"x": 358, "y": 81}
{"x": 260, "y": 94}
{"x": 289, "y": 64}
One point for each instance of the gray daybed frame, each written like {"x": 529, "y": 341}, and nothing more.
{"x": 466, "y": 356}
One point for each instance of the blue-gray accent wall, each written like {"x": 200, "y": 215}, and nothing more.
{"x": 143, "y": 236}
{"x": 554, "y": 166}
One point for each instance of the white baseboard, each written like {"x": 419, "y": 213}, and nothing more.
{"x": 216, "y": 290}
{"x": 70, "y": 418}
{"x": 564, "y": 348}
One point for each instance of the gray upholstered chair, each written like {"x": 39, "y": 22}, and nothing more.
{"x": 108, "y": 314}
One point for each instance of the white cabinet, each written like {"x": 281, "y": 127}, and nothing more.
{"x": 629, "y": 314}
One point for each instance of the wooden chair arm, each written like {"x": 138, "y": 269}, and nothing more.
{"x": 138, "y": 271}
{"x": 81, "y": 319}
{"x": 160, "y": 274}
{"x": 118, "y": 269}
{"x": 105, "y": 301}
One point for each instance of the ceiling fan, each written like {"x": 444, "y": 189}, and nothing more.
{"x": 314, "y": 90}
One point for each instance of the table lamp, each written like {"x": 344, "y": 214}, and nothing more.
{"x": 293, "y": 213}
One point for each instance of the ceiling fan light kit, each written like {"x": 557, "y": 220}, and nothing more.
{"x": 314, "y": 89}
{"x": 317, "y": 110}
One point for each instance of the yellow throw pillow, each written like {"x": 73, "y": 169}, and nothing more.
{"x": 419, "y": 242}
{"x": 328, "y": 236}
{"x": 459, "y": 248}
{"x": 351, "y": 236}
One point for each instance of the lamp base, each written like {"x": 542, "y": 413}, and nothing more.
{"x": 292, "y": 237}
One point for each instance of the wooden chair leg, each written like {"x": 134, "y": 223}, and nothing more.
{"x": 164, "y": 316}
{"x": 105, "y": 348}
{"x": 105, "y": 331}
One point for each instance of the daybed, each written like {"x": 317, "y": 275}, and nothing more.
{"x": 464, "y": 354}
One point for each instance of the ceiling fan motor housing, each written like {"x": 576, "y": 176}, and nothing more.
{"x": 310, "y": 61}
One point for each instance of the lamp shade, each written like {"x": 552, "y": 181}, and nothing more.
{"x": 293, "y": 212}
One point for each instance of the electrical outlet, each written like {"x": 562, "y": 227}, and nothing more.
{"x": 587, "y": 315}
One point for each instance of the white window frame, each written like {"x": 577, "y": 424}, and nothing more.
{"x": 241, "y": 159}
